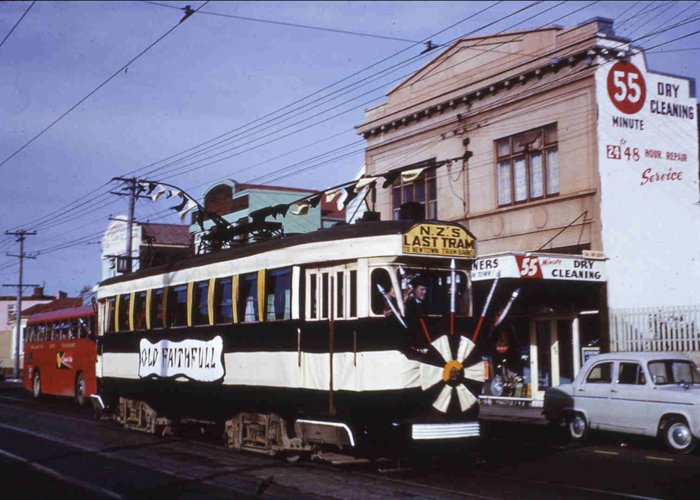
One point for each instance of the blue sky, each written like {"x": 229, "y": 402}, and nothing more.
{"x": 211, "y": 75}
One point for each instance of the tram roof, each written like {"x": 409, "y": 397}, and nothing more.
{"x": 340, "y": 232}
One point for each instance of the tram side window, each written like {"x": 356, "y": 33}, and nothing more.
{"x": 324, "y": 295}
{"x": 200, "y": 301}
{"x": 313, "y": 298}
{"x": 177, "y": 306}
{"x": 278, "y": 294}
{"x": 157, "y": 308}
{"x": 140, "y": 311}
{"x": 123, "y": 313}
{"x": 222, "y": 301}
{"x": 109, "y": 314}
{"x": 248, "y": 298}
{"x": 380, "y": 277}
{"x": 353, "y": 294}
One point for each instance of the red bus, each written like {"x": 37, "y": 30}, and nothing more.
{"x": 60, "y": 353}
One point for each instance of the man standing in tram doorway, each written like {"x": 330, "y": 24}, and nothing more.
{"x": 416, "y": 306}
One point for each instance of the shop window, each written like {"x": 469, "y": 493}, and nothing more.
{"x": 631, "y": 374}
{"x": 248, "y": 298}
{"x": 200, "y": 303}
{"x": 278, "y": 294}
{"x": 223, "y": 301}
{"x": 422, "y": 190}
{"x": 600, "y": 374}
{"x": 124, "y": 302}
{"x": 109, "y": 314}
{"x": 177, "y": 306}
{"x": 157, "y": 308}
{"x": 140, "y": 310}
{"x": 527, "y": 165}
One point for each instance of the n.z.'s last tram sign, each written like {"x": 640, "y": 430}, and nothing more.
{"x": 439, "y": 240}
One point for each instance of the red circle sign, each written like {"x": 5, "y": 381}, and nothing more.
{"x": 626, "y": 87}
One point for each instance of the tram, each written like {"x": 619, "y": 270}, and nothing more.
{"x": 300, "y": 342}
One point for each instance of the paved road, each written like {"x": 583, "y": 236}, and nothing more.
{"x": 53, "y": 446}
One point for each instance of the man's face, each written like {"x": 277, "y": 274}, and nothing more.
{"x": 421, "y": 291}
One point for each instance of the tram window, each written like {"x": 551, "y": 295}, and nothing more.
{"x": 313, "y": 299}
{"x": 123, "y": 313}
{"x": 200, "y": 312}
{"x": 340, "y": 294}
{"x": 324, "y": 295}
{"x": 177, "y": 306}
{"x": 140, "y": 311}
{"x": 109, "y": 314}
{"x": 353, "y": 294}
{"x": 438, "y": 285}
{"x": 222, "y": 301}
{"x": 248, "y": 298}
{"x": 278, "y": 294}
{"x": 157, "y": 308}
{"x": 379, "y": 277}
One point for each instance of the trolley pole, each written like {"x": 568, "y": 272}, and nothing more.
{"x": 21, "y": 236}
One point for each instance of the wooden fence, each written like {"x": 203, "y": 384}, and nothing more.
{"x": 664, "y": 329}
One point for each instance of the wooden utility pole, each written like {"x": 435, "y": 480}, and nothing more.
{"x": 131, "y": 190}
{"x": 21, "y": 236}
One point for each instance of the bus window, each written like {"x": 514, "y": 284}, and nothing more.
{"x": 157, "y": 308}
{"x": 41, "y": 333}
{"x": 123, "y": 313}
{"x": 177, "y": 306}
{"x": 109, "y": 315}
{"x": 56, "y": 331}
{"x": 74, "y": 329}
{"x": 353, "y": 294}
{"x": 83, "y": 328}
{"x": 248, "y": 298}
{"x": 140, "y": 311}
{"x": 340, "y": 294}
{"x": 278, "y": 295}
{"x": 200, "y": 303}
{"x": 379, "y": 277}
{"x": 222, "y": 301}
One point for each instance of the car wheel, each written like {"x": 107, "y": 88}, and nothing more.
{"x": 577, "y": 426}
{"x": 36, "y": 385}
{"x": 80, "y": 390}
{"x": 677, "y": 436}
{"x": 497, "y": 386}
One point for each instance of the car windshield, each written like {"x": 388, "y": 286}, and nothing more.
{"x": 674, "y": 372}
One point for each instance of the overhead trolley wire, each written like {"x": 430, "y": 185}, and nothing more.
{"x": 95, "y": 90}
{"x": 293, "y": 25}
{"x": 17, "y": 23}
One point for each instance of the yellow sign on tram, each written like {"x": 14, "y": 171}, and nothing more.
{"x": 440, "y": 240}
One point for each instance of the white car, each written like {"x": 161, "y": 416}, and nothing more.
{"x": 652, "y": 394}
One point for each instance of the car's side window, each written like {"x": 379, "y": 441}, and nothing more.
{"x": 631, "y": 374}
{"x": 600, "y": 374}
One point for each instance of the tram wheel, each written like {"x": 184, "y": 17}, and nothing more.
{"x": 36, "y": 385}
{"x": 80, "y": 390}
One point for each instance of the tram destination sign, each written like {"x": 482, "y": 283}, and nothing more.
{"x": 438, "y": 240}
{"x": 198, "y": 360}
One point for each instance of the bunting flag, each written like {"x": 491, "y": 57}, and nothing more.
{"x": 300, "y": 208}
{"x": 156, "y": 192}
{"x": 364, "y": 182}
{"x": 411, "y": 175}
{"x": 189, "y": 207}
{"x": 182, "y": 204}
{"x": 173, "y": 193}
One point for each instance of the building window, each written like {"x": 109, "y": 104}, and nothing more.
{"x": 527, "y": 166}
{"x": 422, "y": 190}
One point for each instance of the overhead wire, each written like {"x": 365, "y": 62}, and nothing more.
{"x": 17, "y": 24}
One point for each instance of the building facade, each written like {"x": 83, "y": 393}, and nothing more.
{"x": 576, "y": 167}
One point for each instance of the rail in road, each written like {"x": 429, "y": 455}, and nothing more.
{"x": 53, "y": 446}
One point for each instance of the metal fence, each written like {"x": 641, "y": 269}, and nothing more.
{"x": 665, "y": 329}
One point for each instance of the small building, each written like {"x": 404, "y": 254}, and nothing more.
{"x": 8, "y": 304}
{"x": 235, "y": 201}
{"x": 152, "y": 245}
{"x": 575, "y": 165}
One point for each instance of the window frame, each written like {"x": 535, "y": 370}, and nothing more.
{"x": 315, "y": 275}
{"x": 600, "y": 363}
{"x": 400, "y": 187}
{"x": 527, "y": 153}
{"x": 640, "y": 372}
{"x": 268, "y": 281}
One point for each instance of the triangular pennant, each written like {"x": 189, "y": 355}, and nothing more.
{"x": 173, "y": 193}
{"x": 350, "y": 195}
{"x": 364, "y": 182}
{"x": 159, "y": 191}
{"x": 181, "y": 205}
{"x": 301, "y": 208}
{"x": 411, "y": 175}
{"x": 191, "y": 205}
{"x": 333, "y": 194}
{"x": 151, "y": 187}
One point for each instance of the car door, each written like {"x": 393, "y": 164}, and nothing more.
{"x": 629, "y": 398}
{"x": 593, "y": 394}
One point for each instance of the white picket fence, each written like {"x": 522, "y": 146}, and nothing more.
{"x": 664, "y": 329}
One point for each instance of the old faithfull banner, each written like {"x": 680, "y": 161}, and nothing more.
{"x": 193, "y": 359}
{"x": 438, "y": 240}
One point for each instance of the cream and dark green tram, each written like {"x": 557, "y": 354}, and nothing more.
{"x": 300, "y": 340}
